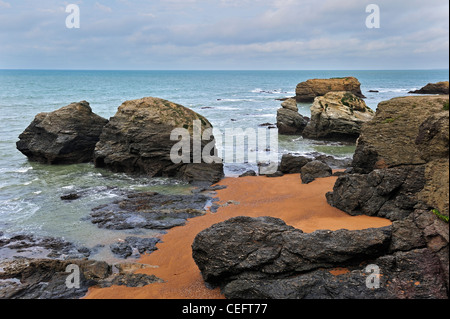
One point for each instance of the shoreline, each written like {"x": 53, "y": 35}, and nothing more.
{"x": 302, "y": 206}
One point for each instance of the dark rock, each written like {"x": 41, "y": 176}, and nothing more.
{"x": 126, "y": 248}
{"x": 290, "y": 122}
{"x": 313, "y": 170}
{"x": 266, "y": 124}
{"x": 276, "y": 174}
{"x": 248, "y": 173}
{"x": 291, "y": 164}
{"x": 130, "y": 280}
{"x": 432, "y": 139}
{"x": 433, "y": 88}
{"x": 266, "y": 247}
{"x": 70, "y": 197}
{"x": 389, "y": 193}
{"x": 149, "y": 211}
{"x": 210, "y": 188}
{"x": 46, "y": 278}
{"x": 201, "y": 173}
{"x": 121, "y": 250}
{"x": 333, "y": 162}
{"x": 138, "y": 140}
{"x": 22, "y": 245}
{"x": 401, "y": 172}
{"x": 263, "y": 258}
{"x": 65, "y": 136}
{"x": 419, "y": 278}
{"x": 338, "y": 173}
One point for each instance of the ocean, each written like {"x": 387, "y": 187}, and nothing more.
{"x": 30, "y": 192}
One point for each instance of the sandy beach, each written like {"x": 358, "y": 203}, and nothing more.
{"x": 299, "y": 205}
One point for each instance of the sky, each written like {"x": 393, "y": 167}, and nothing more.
{"x": 224, "y": 35}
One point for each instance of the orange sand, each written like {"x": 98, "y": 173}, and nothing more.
{"x": 299, "y": 205}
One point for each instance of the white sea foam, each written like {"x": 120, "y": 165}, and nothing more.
{"x": 392, "y": 90}
{"x": 226, "y": 108}
{"x": 267, "y": 115}
{"x": 20, "y": 170}
{"x": 23, "y": 170}
{"x": 238, "y": 100}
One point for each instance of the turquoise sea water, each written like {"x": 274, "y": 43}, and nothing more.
{"x": 30, "y": 193}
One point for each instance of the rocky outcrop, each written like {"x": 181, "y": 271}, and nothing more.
{"x": 138, "y": 140}
{"x": 389, "y": 140}
{"x": 390, "y": 193}
{"x": 409, "y": 134}
{"x": 309, "y": 90}
{"x": 400, "y": 171}
{"x": 64, "y": 136}
{"x": 289, "y": 121}
{"x": 418, "y": 267}
{"x": 337, "y": 116}
{"x": 434, "y": 88}
{"x": 259, "y": 258}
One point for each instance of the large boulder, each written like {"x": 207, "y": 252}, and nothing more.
{"x": 401, "y": 172}
{"x": 289, "y": 121}
{"x": 337, "y": 116}
{"x": 261, "y": 258}
{"x": 309, "y": 90}
{"x": 406, "y": 145}
{"x": 265, "y": 247}
{"x": 64, "y": 136}
{"x": 390, "y": 193}
{"x": 291, "y": 164}
{"x": 389, "y": 140}
{"x": 434, "y": 88}
{"x": 138, "y": 140}
{"x": 313, "y": 170}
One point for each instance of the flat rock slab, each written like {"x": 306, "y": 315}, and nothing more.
{"x": 149, "y": 211}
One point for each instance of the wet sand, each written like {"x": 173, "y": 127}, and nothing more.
{"x": 299, "y": 205}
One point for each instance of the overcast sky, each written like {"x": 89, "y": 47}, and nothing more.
{"x": 224, "y": 34}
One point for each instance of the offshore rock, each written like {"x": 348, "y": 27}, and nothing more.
{"x": 434, "y": 88}
{"x": 138, "y": 140}
{"x": 309, "y": 90}
{"x": 64, "y": 136}
{"x": 337, "y": 116}
{"x": 290, "y": 122}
